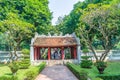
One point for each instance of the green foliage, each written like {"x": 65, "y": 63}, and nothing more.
{"x": 24, "y": 64}
{"x": 13, "y": 67}
{"x": 85, "y": 62}
{"x": 101, "y": 66}
{"x": 112, "y": 71}
{"x": 85, "y": 57}
{"x": 16, "y": 31}
{"x": 26, "y": 51}
{"x": 109, "y": 77}
{"x": 85, "y": 50}
{"x": 80, "y": 74}
{"x": 97, "y": 79}
{"x": 35, "y": 12}
{"x": 30, "y": 12}
{"x": 42, "y": 66}
{"x": 69, "y": 23}
{"x": 8, "y": 78}
{"x": 98, "y": 24}
{"x": 31, "y": 74}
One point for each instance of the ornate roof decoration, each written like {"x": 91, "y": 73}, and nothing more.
{"x": 55, "y": 40}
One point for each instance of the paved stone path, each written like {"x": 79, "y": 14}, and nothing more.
{"x": 56, "y": 72}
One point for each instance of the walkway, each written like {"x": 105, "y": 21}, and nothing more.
{"x": 56, "y": 72}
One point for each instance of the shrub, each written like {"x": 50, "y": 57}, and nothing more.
{"x": 81, "y": 75}
{"x": 101, "y": 66}
{"x": 26, "y": 51}
{"x": 8, "y": 78}
{"x": 110, "y": 77}
{"x": 42, "y": 66}
{"x": 13, "y": 67}
{"x": 24, "y": 64}
{"x": 86, "y": 63}
{"x": 31, "y": 74}
{"x": 97, "y": 79}
{"x": 85, "y": 50}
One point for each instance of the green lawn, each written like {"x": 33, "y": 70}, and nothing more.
{"x": 5, "y": 71}
{"x": 112, "y": 69}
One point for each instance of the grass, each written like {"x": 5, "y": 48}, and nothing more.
{"x": 5, "y": 71}
{"x": 112, "y": 69}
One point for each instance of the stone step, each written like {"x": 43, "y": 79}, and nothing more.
{"x": 54, "y": 62}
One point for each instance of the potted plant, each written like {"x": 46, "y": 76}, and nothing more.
{"x": 101, "y": 65}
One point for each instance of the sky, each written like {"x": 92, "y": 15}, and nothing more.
{"x": 61, "y": 8}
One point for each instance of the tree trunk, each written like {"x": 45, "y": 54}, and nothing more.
{"x": 103, "y": 56}
{"x": 16, "y": 56}
{"x": 11, "y": 56}
{"x": 93, "y": 52}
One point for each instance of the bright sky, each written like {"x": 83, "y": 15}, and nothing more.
{"x": 61, "y": 8}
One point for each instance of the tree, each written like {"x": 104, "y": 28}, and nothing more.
{"x": 16, "y": 31}
{"x": 38, "y": 13}
{"x": 101, "y": 23}
{"x": 71, "y": 22}
{"x": 35, "y": 12}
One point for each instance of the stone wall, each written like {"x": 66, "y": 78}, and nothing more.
{"x": 113, "y": 54}
{"x": 5, "y": 55}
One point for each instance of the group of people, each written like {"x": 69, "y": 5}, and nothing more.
{"x": 56, "y": 54}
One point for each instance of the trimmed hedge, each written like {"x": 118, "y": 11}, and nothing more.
{"x": 26, "y": 51}
{"x": 31, "y": 74}
{"x": 97, "y": 78}
{"x": 24, "y": 64}
{"x": 8, "y": 78}
{"x": 80, "y": 74}
{"x": 110, "y": 77}
{"x": 13, "y": 67}
{"x": 85, "y": 62}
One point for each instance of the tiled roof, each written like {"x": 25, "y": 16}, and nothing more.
{"x": 54, "y": 41}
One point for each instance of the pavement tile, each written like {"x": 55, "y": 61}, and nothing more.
{"x": 56, "y": 72}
